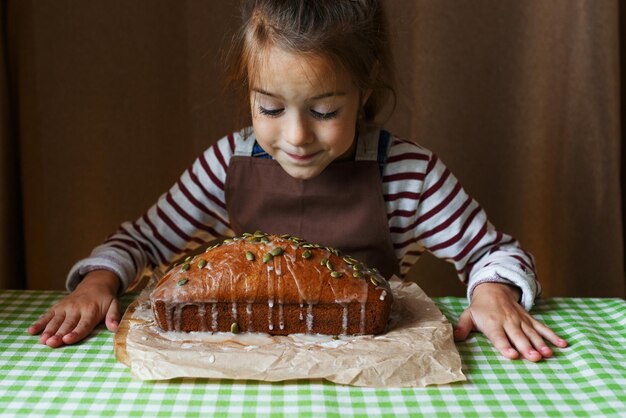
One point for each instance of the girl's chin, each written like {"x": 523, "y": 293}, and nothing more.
{"x": 302, "y": 173}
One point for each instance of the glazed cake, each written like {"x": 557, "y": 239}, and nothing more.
{"x": 277, "y": 285}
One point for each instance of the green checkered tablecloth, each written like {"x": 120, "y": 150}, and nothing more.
{"x": 586, "y": 379}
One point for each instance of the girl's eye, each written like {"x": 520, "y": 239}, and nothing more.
{"x": 324, "y": 116}
{"x": 270, "y": 112}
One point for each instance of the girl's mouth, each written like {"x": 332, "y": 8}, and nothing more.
{"x": 302, "y": 157}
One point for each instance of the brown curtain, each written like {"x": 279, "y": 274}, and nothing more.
{"x": 105, "y": 103}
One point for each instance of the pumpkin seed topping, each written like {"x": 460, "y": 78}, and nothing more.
{"x": 267, "y": 257}
{"x": 234, "y": 328}
{"x": 329, "y": 265}
{"x": 374, "y": 281}
{"x": 277, "y": 251}
{"x": 336, "y": 274}
{"x": 249, "y": 256}
{"x": 201, "y": 263}
{"x": 357, "y": 274}
{"x": 186, "y": 266}
{"x": 306, "y": 254}
{"x": 182, "y": 282}
{"x": 323, "y": 261}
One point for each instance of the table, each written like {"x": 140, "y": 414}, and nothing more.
{"x": 586, "y": 379}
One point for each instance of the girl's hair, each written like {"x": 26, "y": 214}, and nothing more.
{"x": 350, "y": 34}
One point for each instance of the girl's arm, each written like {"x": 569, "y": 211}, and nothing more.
{"x": 189, "y": 215}
{"x": 443, "y": 219}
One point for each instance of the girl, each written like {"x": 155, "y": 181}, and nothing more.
{"x": 314, "y": 76}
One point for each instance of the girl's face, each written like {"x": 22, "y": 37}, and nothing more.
{"x": 303, "y": 113}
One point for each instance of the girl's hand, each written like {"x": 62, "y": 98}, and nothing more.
{"x": 76, "y": 315}
{"x": 495, "y": 312}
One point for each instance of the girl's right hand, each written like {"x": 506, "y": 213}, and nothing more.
{"x": 76, "y": 315}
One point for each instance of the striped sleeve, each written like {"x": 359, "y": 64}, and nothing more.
{"x": 428, "y": 210}
{"x": 190, "y": 214}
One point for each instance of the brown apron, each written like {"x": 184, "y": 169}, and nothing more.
{"x": 343, "y": 207}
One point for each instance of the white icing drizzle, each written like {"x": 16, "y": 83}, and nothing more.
{"x": 309, "y": 319}
{"x": 279, "y": 291}
{"x": 177, "y": 314}
{"x": 270, "y": 300}
{"x": 214, "y": 316}
{"x": 202, "y": 316}
{"x": 306, "y": 290}
{"x": 168, "y": 317}
{"x": 344, "y": 319}
{"x": 234, "y": 311}
{"x": 362, "y": 317}
{"x": 383, "y": 294}
{"x": 270, "y": 311}
{"x": 249, "y": 312}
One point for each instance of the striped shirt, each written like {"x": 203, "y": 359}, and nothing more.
{"x": 427, "y": 210}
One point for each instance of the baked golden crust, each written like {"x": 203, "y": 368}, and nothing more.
{"x": 278, "y": 285}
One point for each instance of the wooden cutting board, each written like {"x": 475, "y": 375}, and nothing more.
{"x": 119, "y": 340}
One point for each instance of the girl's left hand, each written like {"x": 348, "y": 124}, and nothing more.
{"x": 495, "y": 312}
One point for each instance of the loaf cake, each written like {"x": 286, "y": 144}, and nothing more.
{"x": 272, "y": 284}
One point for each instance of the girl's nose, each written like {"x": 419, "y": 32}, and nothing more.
{"x": 298, "y": 133}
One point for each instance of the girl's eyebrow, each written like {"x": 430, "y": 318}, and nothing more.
{"x": 318, "y": 97}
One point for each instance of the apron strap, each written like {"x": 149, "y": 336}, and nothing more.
{"x": 383, "y": 149}
{"x": 374, "y": 146}
{"x": 244, "y": 142}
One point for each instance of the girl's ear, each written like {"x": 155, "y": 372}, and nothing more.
{"x": 373, "y": 77}
{"x": 366, "y": 95}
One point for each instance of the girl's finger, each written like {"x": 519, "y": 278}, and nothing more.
{"x": 548, "y": 334}
{"x": 463, "y": 326}
{"x": 112, "y": 319}
{"x": 69, "y": 323}
{"x": 84, "y": 327}
{"x": 52, "y": 327}
{"x": 40, "y": 323}
{"x": 536, "y": 340}
{"x": 522, "y": 343}
{"x": 500, "y": 341}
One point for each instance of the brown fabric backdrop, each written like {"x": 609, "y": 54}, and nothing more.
{"x": 104, "y": 103}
